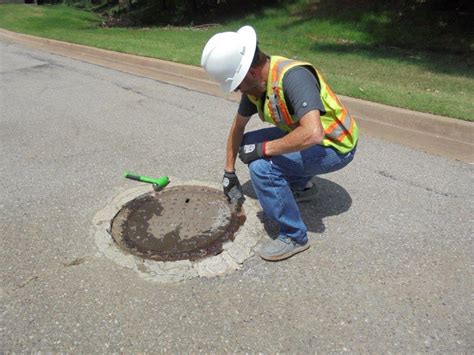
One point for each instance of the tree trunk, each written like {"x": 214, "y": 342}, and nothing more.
{"x": 126, "y": 4}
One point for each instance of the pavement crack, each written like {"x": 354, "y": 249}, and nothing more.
{"x": 34, "y": 278}
{"x": 75, "y": 262}
{"x": 29, "y": 69}
{"x": 387, "y": 175}
{"x": 414, "y": 184}
{"x": 135, "y": 91}
{"x": 38, "y": 58}
{"x": 132, "y": 90}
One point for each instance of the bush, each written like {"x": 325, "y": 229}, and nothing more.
{"x": 167, "y": 12}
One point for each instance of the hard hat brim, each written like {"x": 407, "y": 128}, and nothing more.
{"x": 250, "y": 39}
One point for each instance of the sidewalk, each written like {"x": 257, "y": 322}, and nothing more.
{"x": 433, "y": 134}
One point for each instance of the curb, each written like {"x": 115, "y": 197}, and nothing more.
{"x": 433, "y": 134}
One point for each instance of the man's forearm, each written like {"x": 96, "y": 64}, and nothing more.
{"x": 307, "y": 134}
{"x": 233, "y": 143}
{"x": 295, "y": 141}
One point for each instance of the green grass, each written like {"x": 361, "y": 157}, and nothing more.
{"x": 349, "y": 51}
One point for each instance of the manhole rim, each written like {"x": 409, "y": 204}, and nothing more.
{"x": 186, "y": 249}
{"x": 231, "y": 259}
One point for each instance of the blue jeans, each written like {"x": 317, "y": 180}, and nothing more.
{"x": 274, "y": 178}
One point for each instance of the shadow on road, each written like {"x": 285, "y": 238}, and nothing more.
{"x": 332, "y": 200}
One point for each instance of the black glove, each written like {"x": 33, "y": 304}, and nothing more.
{"x": 251, "y": 152}
{"x": 232, "y": 188}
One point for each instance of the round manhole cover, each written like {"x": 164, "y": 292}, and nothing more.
{"x": 185, "y": 222}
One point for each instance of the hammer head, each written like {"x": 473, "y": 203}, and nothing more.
{"x": 157, "y": 187}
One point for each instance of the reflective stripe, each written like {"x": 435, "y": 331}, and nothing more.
{"x": 274, "y": 108}
{"x": 338, "y": 130}
{"x": 281, "y": 64}
{"x": 347, "y": 132}
{"x": 280, "y": 104}
{"x": 272, "y": 104}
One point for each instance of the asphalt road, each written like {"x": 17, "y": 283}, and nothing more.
{"x": 390, "y": 268}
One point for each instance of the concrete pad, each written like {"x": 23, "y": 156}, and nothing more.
{"x": 231, "y": 259}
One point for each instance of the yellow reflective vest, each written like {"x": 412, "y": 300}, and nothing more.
{"x": 341, "y": 131}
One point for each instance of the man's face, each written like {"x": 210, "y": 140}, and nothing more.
{"x": 252, "y": 84}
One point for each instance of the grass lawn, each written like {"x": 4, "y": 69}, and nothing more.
{"x": 348, "y": 52}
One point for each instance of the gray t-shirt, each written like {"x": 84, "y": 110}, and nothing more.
{"x": 301, "y": 90}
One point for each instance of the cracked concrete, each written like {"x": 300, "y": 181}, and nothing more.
{"x": 235, "y": 252}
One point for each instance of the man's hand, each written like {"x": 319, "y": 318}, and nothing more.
{"x": 251, "y": 152}
{"x": 232, "y": 188}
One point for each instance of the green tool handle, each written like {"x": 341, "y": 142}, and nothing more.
{"x": 162, "y": 181}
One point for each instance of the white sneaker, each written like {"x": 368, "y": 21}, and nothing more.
{"x": 282, "y": 248}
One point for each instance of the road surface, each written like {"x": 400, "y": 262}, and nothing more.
{"x": 390, "y": 268}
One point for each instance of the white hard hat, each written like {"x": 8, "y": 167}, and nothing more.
{"x": 227, "y": 57}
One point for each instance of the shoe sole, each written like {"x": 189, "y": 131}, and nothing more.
{"x": 286, "y": 256}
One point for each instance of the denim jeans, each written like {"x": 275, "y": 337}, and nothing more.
{"x": 273, "y": 179}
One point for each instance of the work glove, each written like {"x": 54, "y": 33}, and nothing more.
{"x": 251, "y": 152}
{"x": 232, "y": 189}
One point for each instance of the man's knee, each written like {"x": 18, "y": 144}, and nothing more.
{"x": 259, "y": 168}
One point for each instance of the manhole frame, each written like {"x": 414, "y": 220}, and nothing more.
{"x": 233, "y": 256}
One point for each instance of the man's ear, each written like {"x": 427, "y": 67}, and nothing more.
{"x": 252, "y": 72}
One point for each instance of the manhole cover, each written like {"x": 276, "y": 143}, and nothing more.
{"x": 185, "y": 222}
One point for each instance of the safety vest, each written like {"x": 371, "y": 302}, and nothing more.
{"x": 340, "y": 129}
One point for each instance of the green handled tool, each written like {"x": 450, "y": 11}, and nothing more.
{"x": 158, "y": 183}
